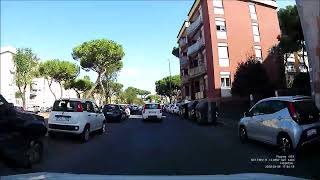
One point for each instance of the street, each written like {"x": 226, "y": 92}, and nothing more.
{"x": 173, "y": 147}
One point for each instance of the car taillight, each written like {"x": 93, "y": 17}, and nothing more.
{"x": 159, "y": 106}
{"x": 144, "y": 108}
{"x": 292, "y": 111}
{"x": 79, "y": 107}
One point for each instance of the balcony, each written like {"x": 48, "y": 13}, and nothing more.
{"x": 199, "y": 95}
{"x": 184, "y": 61}
{"x": 194, "y": 26}
{"x": 183, "y": 42}
{"x": 196, "y": 47}
{"x": 197, "y": 71}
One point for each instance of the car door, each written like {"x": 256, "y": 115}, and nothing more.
{"x": 91, "y": 115}
{"x": 257, "y": 114}
{"x": 270, "y": 121}
{"x": 99, "y": 116}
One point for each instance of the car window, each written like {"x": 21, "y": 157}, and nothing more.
{"x": 65, "y": 106}
{"x": 96, "y": 108}
{"x": 151, "y": 106}
{"x": 276, "y": 106}
{"x": 84, "y": 106}
{"x": 90, "y": 107}
{"x": 261, "y": 108}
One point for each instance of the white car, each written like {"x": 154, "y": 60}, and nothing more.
{"x": 152, "y": 111}
{"x": 76, "y": 116}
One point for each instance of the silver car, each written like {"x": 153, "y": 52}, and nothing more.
{"x": 288, "y": 122}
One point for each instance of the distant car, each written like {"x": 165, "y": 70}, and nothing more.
{"x": 203, "y": 112}
{"x": 114, "y": 112}
{"x": 76, "y": 116}
{"x": 21, "y": 135}
{"x": 175, "y": 109}
{"x": 288, "y": 122}
{"x": 192, "y": 110}
{"x": 152, "y": 111}
{"x": 126, "y": 109}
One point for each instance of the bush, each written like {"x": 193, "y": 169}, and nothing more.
{"x": 251, "y": 78}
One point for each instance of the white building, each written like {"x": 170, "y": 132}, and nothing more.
{"x": 295, "y": 65}
{"x": 7, "y": 82}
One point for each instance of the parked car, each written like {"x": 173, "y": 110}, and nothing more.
{"x": 203, "y": 111}
{"x": 192, "y": 110}
{"x": 134, "y": 109}
{"x": 287, "y": 122}
{"x": 175, "y": 109}
{"x": 76, "y": 116}
{"x": 152, "y": 111}
{"x": 19, "y": 108}
{"x": 184, "y": 109}
{"x": 21, "y": 135}
{"x": 114, "y": 112}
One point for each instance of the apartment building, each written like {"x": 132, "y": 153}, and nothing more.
{"x": 309, "y": 12}
{"x": 294, "y": 65}
{"x": 219, "y": 34}
{"x": 7, "y": 70}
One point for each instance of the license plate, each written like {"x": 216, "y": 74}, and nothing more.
{"x": 152, "y": 112}
{"x": 62, "y": 119}
{"x": 311, "y": 132}
{"x": 109, "y": 112}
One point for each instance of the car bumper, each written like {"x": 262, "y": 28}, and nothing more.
{"x": 74, "y": 129}
{"x": 306, "y": 140}
{"x": 152, "y": 117}
{"x": 113, "y": 117}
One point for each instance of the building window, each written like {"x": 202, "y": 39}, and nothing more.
{"x": 256, "y": 34}
{"x": 252, "y": 10}
{"x": 221, "y": 28}
{"x": 225, "y": 81}
{"x": 218, "y": 7}
{"x": 258, "y": 53}
{"x": 223, "y": 54}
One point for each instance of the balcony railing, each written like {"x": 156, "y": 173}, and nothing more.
{"x": 193, "y": 72}
{"x": 184, "y": 61}
{"x": 183, "y": 42}
{"x": 194, "y": 25}
{"x": 195, "y": 47}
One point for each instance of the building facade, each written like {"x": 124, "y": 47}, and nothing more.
{"x": 309, "y": 12}
{"x": 294, "y": 65}
{"x": 217, "y": 36}
{"x": 7, "y": 70}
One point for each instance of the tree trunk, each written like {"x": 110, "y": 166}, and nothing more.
{"x": 23, "y": 98}
{"x": 93, "y": 87}
{"x": 78, "y": 94}
{"x": 101, "y": 85}
{"x": 61, "y": 90}
{"x": 50, "y": 83}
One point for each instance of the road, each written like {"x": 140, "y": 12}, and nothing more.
{"x": 173, "y": 147}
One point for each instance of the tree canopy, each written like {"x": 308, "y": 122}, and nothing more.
{"x": 251, "y": 78}
{"x": 98, "y": 55}
{"x": 168, "y": 86}
{"x": 175, "y": 52}
{"x": 25, "y": 62}
{"x": 80, "y": 85}
{"x": 58, "y": 71}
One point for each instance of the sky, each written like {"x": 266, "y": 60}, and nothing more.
{"x": 147, "y": 31}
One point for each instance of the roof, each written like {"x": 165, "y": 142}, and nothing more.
{"x": 287, "y": 98}
{"x": 75, "y": 99}
{"x": 8, "y": 49}
{"x": 182, "y": 29}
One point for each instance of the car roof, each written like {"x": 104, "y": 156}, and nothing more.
{"x": 75, "y": 99}
{"x": 287, "y": 98}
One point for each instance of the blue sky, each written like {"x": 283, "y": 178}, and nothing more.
{"x": 146, "y": 29}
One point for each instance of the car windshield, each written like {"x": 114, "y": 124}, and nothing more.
{"x": 160, "y": 87}
{"x": 151, "y": 106}
{"x": 65, "y": 106}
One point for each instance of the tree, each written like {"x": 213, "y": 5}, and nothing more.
{"x": 291, "y": 39}
{"x": 58, "y": 71}
{"x": 143, "y": 93}
{"x": 302, "y": 84}
{"x": 109, "y": 79}
{"x": 175, "y": 52}
{"x": 79, "y": 85}
{"x": 168, "y": 86}
{"x": 98, "y": 55}
{"x": 130, "y": 94}
{"x": 154, "y": 98}
{"x": 25, "y": 62}
{"x": 251, "y": 78}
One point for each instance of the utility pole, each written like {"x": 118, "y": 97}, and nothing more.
{"x": 169, "y": 79}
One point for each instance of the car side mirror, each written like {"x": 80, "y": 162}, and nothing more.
{"x": 245, "y": 114}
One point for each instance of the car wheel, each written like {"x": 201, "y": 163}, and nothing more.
{"x": 284, "y": 144}
{"x": 103, "y": 128}
{"x": 33, "y": 154}
{"x": 243, "y": 134}
{"x": 85, "y": 136}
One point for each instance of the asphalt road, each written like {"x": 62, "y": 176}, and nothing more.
{"x": 173, "y": 147}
